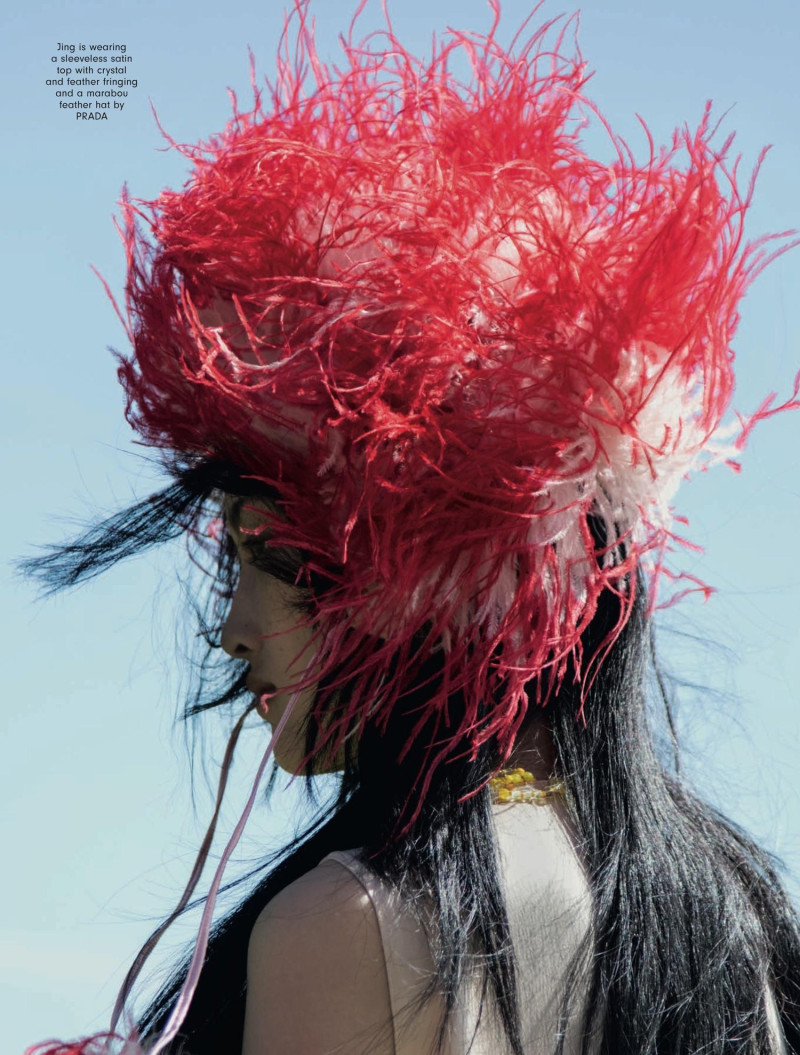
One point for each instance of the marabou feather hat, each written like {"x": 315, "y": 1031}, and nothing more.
{"x": 459, "y": 348}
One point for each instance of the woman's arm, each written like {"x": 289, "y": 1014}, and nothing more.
{"x": 316, "y": 973}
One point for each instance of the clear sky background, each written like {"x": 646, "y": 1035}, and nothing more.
{"x": 97, "y": 829}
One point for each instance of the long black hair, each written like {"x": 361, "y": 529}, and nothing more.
{"x": 695, "y": 946}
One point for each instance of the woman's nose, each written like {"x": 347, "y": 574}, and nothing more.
{"x": 240, "y": 633}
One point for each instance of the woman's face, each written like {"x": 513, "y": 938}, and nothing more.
{"x": 267, "y": 627}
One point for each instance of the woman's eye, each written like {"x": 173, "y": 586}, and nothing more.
{"x": 259, "y": 553}
{"x": 253, "y": 548}
{"x": 280, "y": 563}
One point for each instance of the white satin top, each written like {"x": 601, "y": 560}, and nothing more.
{"x": 549, "y": 908}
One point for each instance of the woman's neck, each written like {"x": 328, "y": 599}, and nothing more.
{"x": 535, "y": 751}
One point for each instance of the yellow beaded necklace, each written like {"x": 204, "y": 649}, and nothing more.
{"x": 518, "y": 785}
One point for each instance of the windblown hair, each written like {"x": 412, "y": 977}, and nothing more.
{"x": 694, "y": 939}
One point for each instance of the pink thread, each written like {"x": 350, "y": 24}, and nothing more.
{"x": 198, "y": 957}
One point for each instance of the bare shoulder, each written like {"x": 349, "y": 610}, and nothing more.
{"x": 316, "y": 974}
{"x": 330, "y": 889}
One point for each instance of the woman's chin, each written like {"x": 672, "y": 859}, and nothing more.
{"x": 289, "y": 765}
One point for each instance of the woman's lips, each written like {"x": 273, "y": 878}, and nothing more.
{"x": 262, "y": 706}
{"x": 263, "y": 692}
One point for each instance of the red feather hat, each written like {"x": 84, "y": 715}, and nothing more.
{"x": 448, "y": 338}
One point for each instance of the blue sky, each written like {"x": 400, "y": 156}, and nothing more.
{"x": 98, "y": 828}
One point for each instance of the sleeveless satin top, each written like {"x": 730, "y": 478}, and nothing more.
{"x": 549, "y": 907}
